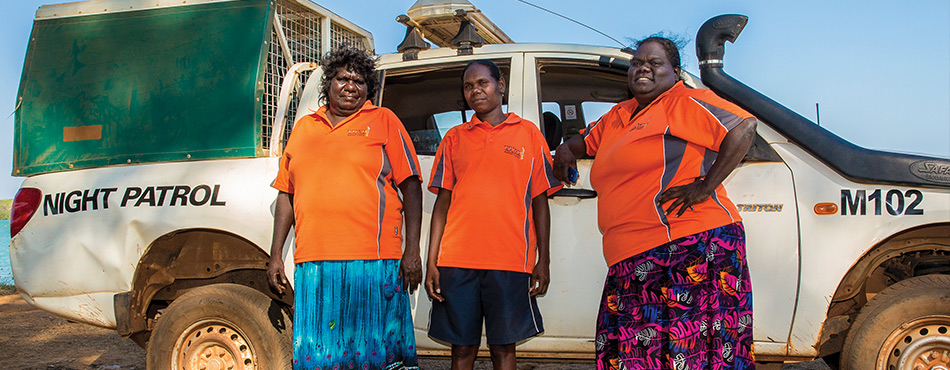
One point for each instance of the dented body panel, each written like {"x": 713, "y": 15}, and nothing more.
{"x": 72, "y": 261}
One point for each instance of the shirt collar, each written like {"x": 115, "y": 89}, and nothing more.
{"x": 511, "y": 119}
{"x": 631, "y": 105}
{"x": 321, "y": 113}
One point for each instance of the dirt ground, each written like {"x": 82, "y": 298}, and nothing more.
{"x": 34, "y": 339}
{"x": 31, "y": 338}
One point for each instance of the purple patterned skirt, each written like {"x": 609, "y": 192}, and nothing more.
{"x": 683, "y": 305}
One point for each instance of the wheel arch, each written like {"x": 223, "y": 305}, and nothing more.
{"x": 913, "y": 252}
{"x": 183, "y": 260}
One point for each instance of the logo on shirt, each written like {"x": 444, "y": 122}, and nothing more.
{"x": 518, "y": 153}
{"x": 639, "y": 126}
{"x": 358, "y": 132}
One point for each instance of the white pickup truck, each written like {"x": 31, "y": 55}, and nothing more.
{"x": 149, "y": 154}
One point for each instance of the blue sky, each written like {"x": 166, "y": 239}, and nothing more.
{"x": 879, "y": 69}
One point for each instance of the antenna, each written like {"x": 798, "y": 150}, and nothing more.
{"x": 584, "y": 25}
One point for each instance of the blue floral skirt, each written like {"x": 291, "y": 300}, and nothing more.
{"x": 352, "y": 315}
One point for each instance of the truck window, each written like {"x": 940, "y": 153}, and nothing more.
{"x": 446, "y": 120}
{"x": 591, "y": 110}
{"x": 552, "y": 107}
{"x": 582, "y": 91}
{"x": 428, "y": 100}
{"x": 594, "y": 109}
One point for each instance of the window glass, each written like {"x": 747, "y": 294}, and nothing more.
{"x": 446, "y": 120}
{"x": 594, "y": 109}
{"x": 552, "y": 107}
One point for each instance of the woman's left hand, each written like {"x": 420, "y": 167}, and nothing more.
{"x": 410, "y": 270}
{"x": 733, "y": 148}
{"x": 540, "y": 278}
{"x": 684, "y": 196}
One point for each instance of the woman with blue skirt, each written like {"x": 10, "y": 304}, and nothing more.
{"x": 339, "y": 181}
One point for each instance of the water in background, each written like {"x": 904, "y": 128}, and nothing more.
{"x": 6, "y": 276}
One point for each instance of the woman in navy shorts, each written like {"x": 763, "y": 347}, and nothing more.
{"x": 488, "y": 248}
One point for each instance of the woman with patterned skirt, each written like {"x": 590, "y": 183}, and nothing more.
{"x": 678, "y": 293}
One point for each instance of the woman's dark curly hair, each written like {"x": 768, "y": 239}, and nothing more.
{"x": 670, "y": 44}
{"x": 350, "y": 59}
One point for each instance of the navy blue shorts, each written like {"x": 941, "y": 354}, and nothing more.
{"x": 502, "y": 298}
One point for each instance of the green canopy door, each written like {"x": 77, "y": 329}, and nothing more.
{"x": 164, "y": 84}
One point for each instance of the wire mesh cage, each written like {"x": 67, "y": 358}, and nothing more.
{"x": 297, "y": 37}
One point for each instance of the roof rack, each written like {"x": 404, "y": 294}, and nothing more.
{"x": 448, "y": 23}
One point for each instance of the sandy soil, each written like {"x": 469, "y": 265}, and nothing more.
{"x": 34, "y": 339}
{"x": 31, "y": 338}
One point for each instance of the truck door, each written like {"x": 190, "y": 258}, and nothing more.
{"x": 426, "y": 95}
{"x": 578, "y": 88}
{"x": 571, "y": 90}
{"x": 763, "y": 190}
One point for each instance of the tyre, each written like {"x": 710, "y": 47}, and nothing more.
{"x": 905, "y": 327}
{"x": 221, "y": 326}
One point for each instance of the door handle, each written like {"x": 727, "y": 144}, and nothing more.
{"x": 576, "y": 193}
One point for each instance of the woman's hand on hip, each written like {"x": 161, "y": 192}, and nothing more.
{"x": 733, "y": 148}
{"x": 684, "y": 197}
{"x": 410, "y": 270}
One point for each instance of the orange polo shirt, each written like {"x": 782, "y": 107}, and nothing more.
{"x": 344, "y": 180}
{"x": 669, "y": 143}
{"x": 493, "y": 173}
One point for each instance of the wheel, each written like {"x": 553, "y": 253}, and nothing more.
{"x": 905, "y": 327}
{"x": 221, "y": 326}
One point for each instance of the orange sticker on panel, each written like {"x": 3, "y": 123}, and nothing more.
{"x": 81, "y": 133}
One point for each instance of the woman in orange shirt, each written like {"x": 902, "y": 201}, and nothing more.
{"x": 338, "y": 180}
{"x": 677, "y": 293}
{"x": 488, "y": 247}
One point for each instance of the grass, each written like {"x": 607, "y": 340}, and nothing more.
{"x": 5, "y": 206}
{"x": 7, "y": 289}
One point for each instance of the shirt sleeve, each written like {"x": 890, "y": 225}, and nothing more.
{"x": 542, "y": 176}
{"x": 594, "y": 132}
{"x": 284, "y": 182}
{"x": 443, "y": 172}
{"x": 399, "y": 149}
{"x": 285, "y": 179}
{"x": 704, "y": 118}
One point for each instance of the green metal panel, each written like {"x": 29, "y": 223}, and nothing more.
{"x": 165, "y": 84}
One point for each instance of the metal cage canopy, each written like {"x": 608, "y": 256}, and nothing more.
{"x": 122, "y": 82}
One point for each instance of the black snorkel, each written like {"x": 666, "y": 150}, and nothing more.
{"x": 851, "y": 161}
